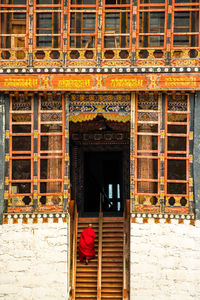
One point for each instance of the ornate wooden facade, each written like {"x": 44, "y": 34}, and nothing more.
{"x": 70, "y": 62}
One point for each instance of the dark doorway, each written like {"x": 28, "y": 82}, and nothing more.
{"x": 103, "y": 177}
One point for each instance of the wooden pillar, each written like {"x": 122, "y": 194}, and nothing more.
{"x": 132, "y": 152}
{"x": 2, "y": 153}
{"x": 67, "y": 191}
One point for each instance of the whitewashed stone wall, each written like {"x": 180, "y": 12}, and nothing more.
{"x": 33, "y": 261}
{"x": 165, "y": 261}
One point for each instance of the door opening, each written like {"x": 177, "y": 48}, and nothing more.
{"x": 103, "y": 177}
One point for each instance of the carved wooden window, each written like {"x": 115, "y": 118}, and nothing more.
{"x": 185, "y": 24}
{"x": 36, "y": 172}
{"x": 117, "y": 22}
{"x": 147, "y": 149}
{"x": 47, "y": 24}
{"x": 151, "y": 23}
{"x": 51, "y": 148}
{"x": 82, "y": 29}
{"x": 171, "y": 182}
{"x": 177, "y": 117}
{"x": 21, "y": 149}
{"x": 14, "y": 27}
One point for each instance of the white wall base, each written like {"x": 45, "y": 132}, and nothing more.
{"x": 165, "y": 261}
{"x": 33, "y": 260}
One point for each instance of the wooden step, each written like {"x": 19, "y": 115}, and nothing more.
{"x": 112, "y": 261}
{"x": 106, "y": 277}
{"x": 106, "y": 297}
{"x": 85, "y": 279}
{"x": 84, "y": 284}
{"x": 111, "y": 284}
{"x": 87, "y": 289}
{"x": 80, "y": 295}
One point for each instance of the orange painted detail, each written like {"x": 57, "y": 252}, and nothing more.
{"x": 72, "y": 82}
{"x": 189, "y": 81}
{"x": 177, "y": 210}
{"x": 19, "y": 209}
{"x": 49, "y": 208}
{"x": 19, "y": 82}
{"x": 100, "y": 82}
{"x": 143, "y": 208}
{"x": 125, "y": 82}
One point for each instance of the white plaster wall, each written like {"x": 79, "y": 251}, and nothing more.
{"x": 165, "y": 261}
{"x": 33, "y": 261}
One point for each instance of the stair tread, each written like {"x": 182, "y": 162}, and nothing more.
{"x": 112, "y": 261}
{"x": 104, "y": 276}
{"x": 110, "y": 297}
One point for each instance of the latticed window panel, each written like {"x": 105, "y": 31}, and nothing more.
{"x": 168, "y": 186}
{"x": 36, "y": 173}
{"x": 185, "y": 29}
{"x": 82, "y": 29}
{"x": 48, "y": 29}
{"x": 147, "y": 151}
{"x": 14, "y": 29}
{"x": 117, "y": 29}
{"x": 177, "y": 117}
{"x": 151, "y": 32}
{"x": 21, "y": 152}
{"x": 51, "y": 149}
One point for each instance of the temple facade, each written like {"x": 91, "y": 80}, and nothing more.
{"x": 100, "y": 124}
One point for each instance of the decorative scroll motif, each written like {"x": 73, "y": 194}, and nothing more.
{"x": 184, "y": 55}
{"x": 148, "y": 102}
{"x": 47, "y": 55}
{"x": 179, "y": 81}
{"x": 83, "y": 117}
{"x": 150, "y": 57}
{"x": 116, "y": 58}
{"x": 79, "y": 57}
{"x": 100, "y": 97}
{"x": 51, "y": 116}
{"x": 128, "y": 82}
{"x": 147, "y": 116}
{"x": 17, "y": 204}
{"x": 86, "y": 107}
{"x": 177, "y": 103}
{"x": 51, "y": 103}
{"x": 21, "y": 103}
{"x": 14, "y": 58}
{"x": 100, "y": 82}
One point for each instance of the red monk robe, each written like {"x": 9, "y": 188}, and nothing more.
{"x": 86, "y": 244}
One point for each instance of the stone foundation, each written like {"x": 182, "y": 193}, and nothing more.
{"x": 33, "y": 259}
{"x": 165, "y": 260}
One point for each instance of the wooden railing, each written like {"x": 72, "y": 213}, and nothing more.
{"x": 126, "y": 216}
{"x": 74, "y": 251}
{"x": 99, "y": 251}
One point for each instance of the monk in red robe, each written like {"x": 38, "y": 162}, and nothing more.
{"x": 86, "y": 244}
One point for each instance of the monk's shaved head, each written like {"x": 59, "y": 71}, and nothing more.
{"x": 90, "y": 225}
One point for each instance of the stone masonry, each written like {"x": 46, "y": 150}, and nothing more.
{"x": 165, "y": 261}
{"x": 33, "y": 259}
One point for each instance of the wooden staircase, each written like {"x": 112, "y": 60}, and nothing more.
{"x": 86, "y": 275}
{"x": 112, "y": 258}
{"x": 105, "y": 275}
